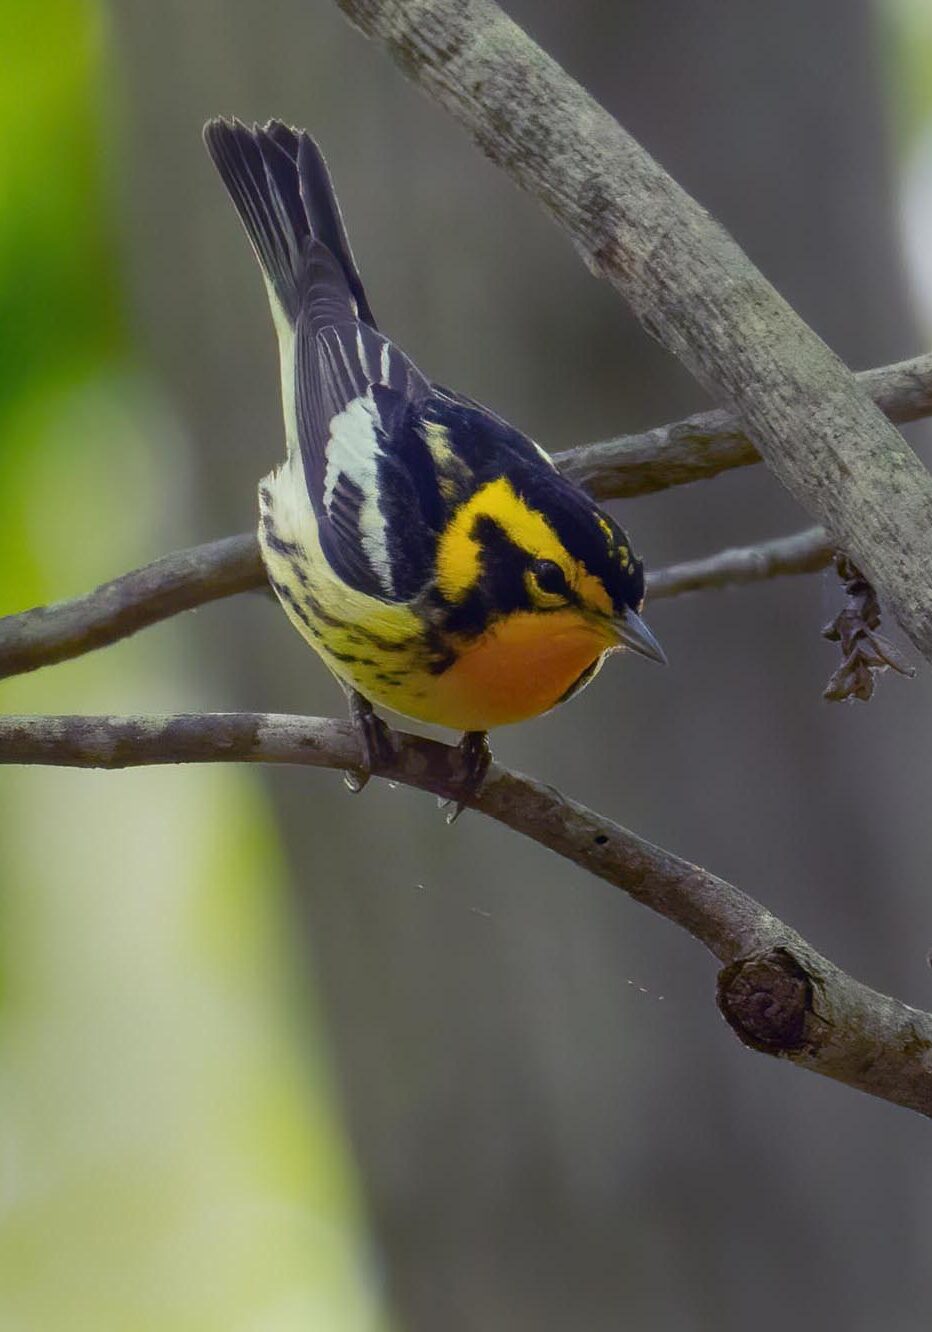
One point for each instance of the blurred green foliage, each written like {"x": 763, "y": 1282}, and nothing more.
{"x": 169, "y": 1156}
{"x": 60, "y": 290}
{"x": 907, "y": 28}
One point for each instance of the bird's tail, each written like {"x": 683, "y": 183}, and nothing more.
{"x": 281, "y": 189}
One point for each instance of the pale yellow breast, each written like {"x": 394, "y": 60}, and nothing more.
{"x": 359, "y": 637}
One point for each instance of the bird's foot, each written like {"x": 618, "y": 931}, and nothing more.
{"x": 376, "y": 740}
{"x": 475, "y": 755}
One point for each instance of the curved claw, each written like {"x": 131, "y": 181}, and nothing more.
{"x": 476, "y": 755}
{"x": 375, "y": 739}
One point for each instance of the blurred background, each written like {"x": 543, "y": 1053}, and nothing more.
{"x": 273, "y": 1059}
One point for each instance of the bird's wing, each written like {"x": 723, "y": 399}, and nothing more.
{"x": 368, "y": 470}
{"x": 489, "y": 434}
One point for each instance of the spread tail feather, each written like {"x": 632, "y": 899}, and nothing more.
{"x": 281, "y": 189}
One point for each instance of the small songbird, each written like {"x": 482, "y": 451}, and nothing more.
{"x": 433, "y": 555}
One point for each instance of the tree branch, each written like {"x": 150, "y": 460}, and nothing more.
{"x": 801, "y": 553}
{"x": 703, "y": 445}
{"x": 686, "y": 280}
{"x": 190, "y": 578}
{"x": 175, "y": 583}
{"x": 777, "y": 993}
{"x": 689, "y": 450}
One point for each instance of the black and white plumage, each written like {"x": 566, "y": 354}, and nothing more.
{"x": 362, "y": 411}
{"x": 352, "y": 391}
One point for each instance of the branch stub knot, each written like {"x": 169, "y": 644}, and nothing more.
{"x": 766, "y": 1000}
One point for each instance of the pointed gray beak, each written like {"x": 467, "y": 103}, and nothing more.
{"x": 634, "y": 635}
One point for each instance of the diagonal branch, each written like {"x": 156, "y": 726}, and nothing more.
{"x": 778, "y": 994}
{"x": 686, "y": 280}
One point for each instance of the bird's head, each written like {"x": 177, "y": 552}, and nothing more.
{"x": 530, "y": 542}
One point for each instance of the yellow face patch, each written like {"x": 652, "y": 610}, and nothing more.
{"x": 459, "y": 562}
{"x": 459, "y": 554}
{"x": 592, "y": 592}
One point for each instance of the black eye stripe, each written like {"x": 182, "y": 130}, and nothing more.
{"x": 550, "y": 577}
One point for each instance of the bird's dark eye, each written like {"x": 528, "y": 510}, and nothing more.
{"x": 549, "y": 576}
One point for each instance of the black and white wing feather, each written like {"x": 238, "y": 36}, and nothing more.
{"x": 358, "y": 402}
{"x": 356, "y": 396}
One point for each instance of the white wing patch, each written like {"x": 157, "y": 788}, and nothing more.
{"x": 361, "y": 353}
{"x": 353, "y": 392}
{"x": 353, "y": 449}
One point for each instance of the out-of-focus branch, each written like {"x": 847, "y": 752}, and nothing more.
{"x": 708, "y": 443}
{"x": 178, "y": 582}
{"x": 777, "y": 993}
{"x": 801, "y": 553}
{"x": 686, "y": 280}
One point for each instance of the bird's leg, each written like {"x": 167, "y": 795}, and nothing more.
{"x": 375, "y": 740}
{"x": 476, "y": 755}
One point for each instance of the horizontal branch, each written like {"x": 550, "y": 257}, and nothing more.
{"x": 708, "y": 443}
{"x": 190, "y": 578}
{"x": 175, "y": 583}
{"x": 801, "y": 553}
{"x": 686, "y": 280}
{"x": 775, "y": 990}
{"x": 693, "y": 449}
{"x": 689, "y": 450}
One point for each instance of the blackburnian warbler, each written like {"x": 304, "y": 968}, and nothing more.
{"x": 433, "y": 555}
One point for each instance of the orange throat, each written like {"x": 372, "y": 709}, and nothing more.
{"x": 520, "y": 668}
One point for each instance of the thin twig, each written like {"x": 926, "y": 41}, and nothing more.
{"x": 775, "y": 990}
{"x": 801, "y": 553}
{"x": 685, "y": 278}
